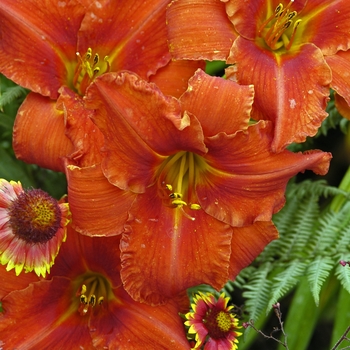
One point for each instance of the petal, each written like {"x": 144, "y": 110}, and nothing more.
{"x": 36, "y": 119}
{"x": 83, "y": 133}
{"x": 165, "y": 252}
{"x": 327, "y": 25}
{"x": 173, "y": 78}
{"x": 199, "y": 29}
{"x": 98, "y": 208}
{"x": 248, "y": 181}
{"x": 9, "y": 281}
{"x": 132, "y": 325}
{"x": 51, "y": 300}
{"x": 139, "y": 125}
{"x": 291, "y": 90}
{"x": 81, "y": 253}
{"x": 230, "y": 111}
{"x": 38, "y": 42}
{"x": 131, "y": 33}
{"x": 340, "y": 66}
{"x": 342, "y": 106}
{"x": 248, "y": 242}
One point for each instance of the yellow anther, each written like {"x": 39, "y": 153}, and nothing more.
{"x": 96, "y": 58}
{"x": 100, "y": 300}
{"x": 178, "y": 202}
{"x": 92, "y": 300}
{"x": 88, "y": 53}
{"x": 169, "y": 187}
{"x": 195, "y": 206}
{"x": 175, "y": 195}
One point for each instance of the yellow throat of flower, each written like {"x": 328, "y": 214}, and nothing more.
{"x": 177, "y": 177}
{"x": 279, "y": 29}
{"x": 88, "y": 68}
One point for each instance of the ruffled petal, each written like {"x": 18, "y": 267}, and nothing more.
{"x": 98, "y": 208}
{"x": 326, "y": 24}
{"x": 36, "y": 119}
{"x": 132, "y": 325}
{"x": 51, "y": 300}
{"x": 38, "y": 42}
{"x": 248, "y": 242}
{"x": 248, "y": 181}
{"x": 291, "y": 90}
{"x": 83, "y": 133}
{"x": 165, "y": 252}
{"x": 199, "y": 29}
{"x": 173, "y": 78}
{"x": 340, "y": 65}
{"x": 342, "y": 106}
{"x": 141, "y": 126}
{"x": 131, "y": 33}
{"x": 230, "y": 109}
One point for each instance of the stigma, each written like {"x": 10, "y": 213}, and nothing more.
{"x": 88, "y": 68}
{"x": 280, "y": 28}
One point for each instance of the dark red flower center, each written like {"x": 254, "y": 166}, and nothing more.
{"x": 218, "y": 323}
{"x": 94, "y": 290}
{"x": 279, "y": 29}
{"x": 88, "y": 68}
{"x": 35, "y": 217}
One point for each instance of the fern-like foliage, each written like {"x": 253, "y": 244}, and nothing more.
{"x": 313, "y": 239}
{"x": 10, "y": 94}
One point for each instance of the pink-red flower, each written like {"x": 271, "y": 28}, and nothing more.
{"x": 213, "y": 324}
{"x": 291, "y": 51}
{"x": 198, "y": 170}
{"x": 82, "y": 304}
{"x": 32, "y": 228}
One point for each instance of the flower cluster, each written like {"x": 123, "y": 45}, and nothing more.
{"x": 173, "y": 175}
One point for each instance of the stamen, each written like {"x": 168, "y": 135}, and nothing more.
{"x": 275, "y": 26}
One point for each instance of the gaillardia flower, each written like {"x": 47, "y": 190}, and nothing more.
{"x": 32, "y": 228}
{"x": 83, "y": 305}
{"x": 287, "y": 49}
{"x": 197, "y": 169}
{"x": 54, "y": 44}
{"x": 213, "y": 324}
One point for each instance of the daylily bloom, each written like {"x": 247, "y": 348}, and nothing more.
{"x": 32, "y": 228}
{"x": 288, "y": 50}
{"x": 213, "y": 324}
{"x": 45, "y": 46}
{"x": 84, "y": 295}
{"x": 197, "y": 169}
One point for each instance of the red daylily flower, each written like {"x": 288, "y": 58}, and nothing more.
{"x": 68, "y": 43}
{"x": 83, "y": 294}
{"x": 197, "y": 170}
{"x": 287, "y": 49}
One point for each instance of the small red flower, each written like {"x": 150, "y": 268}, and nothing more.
{"x": 212, "y": 323}
{"x": 32, "y": 228}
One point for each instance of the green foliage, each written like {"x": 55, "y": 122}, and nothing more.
{"x": 313, "y": 239}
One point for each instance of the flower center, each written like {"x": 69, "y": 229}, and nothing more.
{"x": 93, "y": 292}
{"x": 218, "y": 323}
{"x": 88, "y": 68}
{"x": 280, "y": 28}
{"x": 177, "y": 178}
{"x": 35, "y": 217}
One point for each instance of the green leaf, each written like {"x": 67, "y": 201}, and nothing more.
{"x": 317, "y": 272}
{"x": 285, "y": 281}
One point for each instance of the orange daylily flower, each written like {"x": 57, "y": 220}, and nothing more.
{"x": 56, "y": 44}
{"x": 197, "y": 169}
{"x": 84, "y": 294}
{"x": 287, "y": 49}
